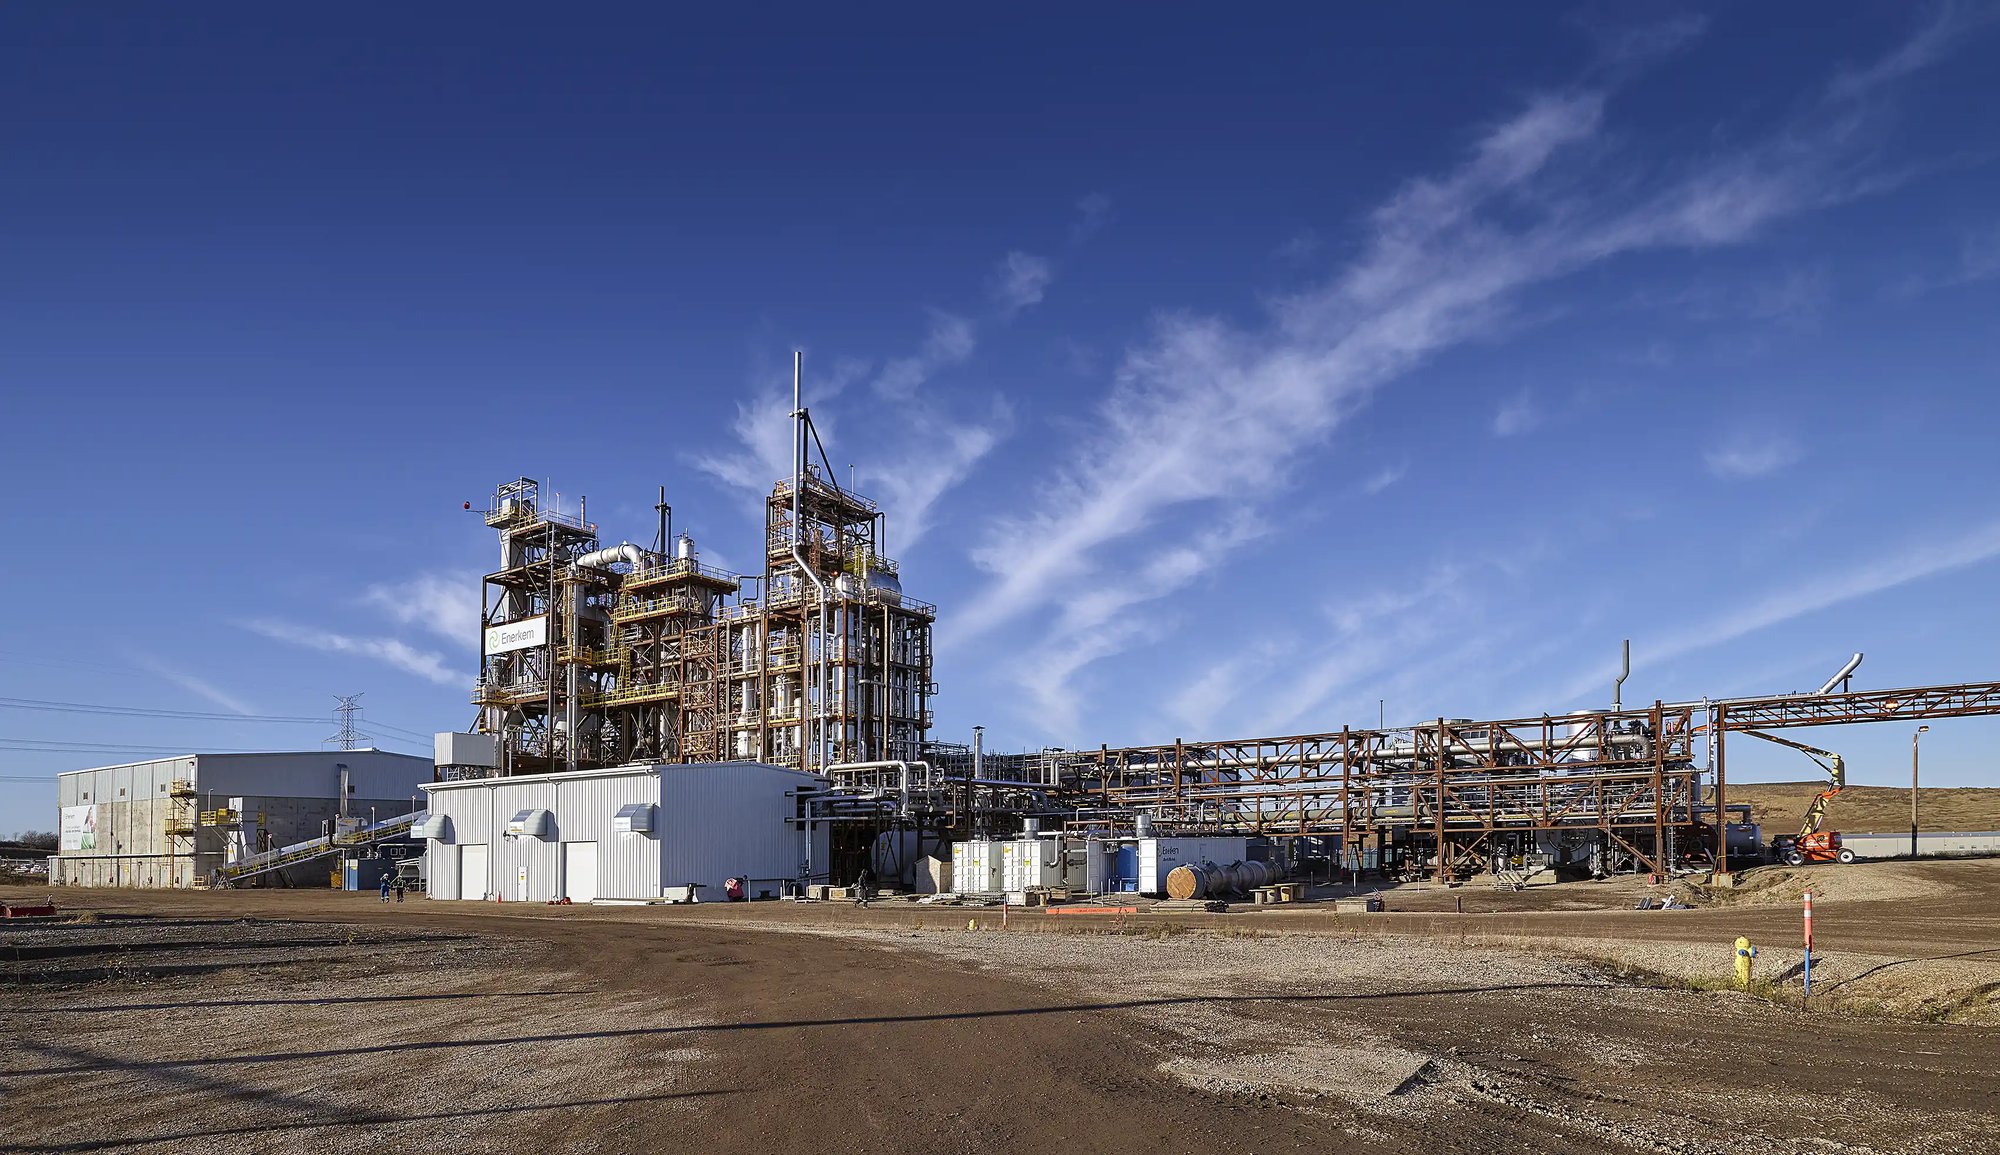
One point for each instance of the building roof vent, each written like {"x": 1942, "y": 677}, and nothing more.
{"x": 634, "y": 818}
{"x": 529, "y": 824}
{"x": 432, "y": 826}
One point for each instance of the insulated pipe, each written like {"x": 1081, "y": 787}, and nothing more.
{"x": 799, "y": 558}
{"x": 622, "y": 552}
{"x": 902, "y": 769}
{"x": 1624, "y": 672}
{"x": 1846, "y": 671}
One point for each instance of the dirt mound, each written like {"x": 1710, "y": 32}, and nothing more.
{"x": 1859, "y": 882}
{"x": 1780, "y": 806}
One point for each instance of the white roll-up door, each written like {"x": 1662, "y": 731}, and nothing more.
{"x": 472, "y": 881}
{"x": 580, "y": 871}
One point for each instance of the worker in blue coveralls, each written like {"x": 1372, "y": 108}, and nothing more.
{"x": 385, "y": 888}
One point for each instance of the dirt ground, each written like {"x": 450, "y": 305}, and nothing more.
{"x": 1553, "y": 1020}
{"x": 1780, "y": 806}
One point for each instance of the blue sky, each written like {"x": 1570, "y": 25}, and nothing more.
{"x": 1220, "y": 377}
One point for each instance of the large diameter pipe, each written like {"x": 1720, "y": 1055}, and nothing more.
{"x": 1847, "y": 670}
{"x": 806, "y": 718}
{"x": 613, "y": 555}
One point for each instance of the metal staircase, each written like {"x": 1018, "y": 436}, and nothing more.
{"x": 298, "y": 852}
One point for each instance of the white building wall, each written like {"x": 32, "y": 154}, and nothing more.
{"x": 711, "y": 822}
{"x": 294, "y": 793}
{"x": 628, "y": 865}
{"x": 510, "y": 856}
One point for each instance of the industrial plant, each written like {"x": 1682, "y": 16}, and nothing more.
{"x": 650, "y": 727}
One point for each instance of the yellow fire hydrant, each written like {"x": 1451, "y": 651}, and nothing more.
{"x": 1745, "y": 955}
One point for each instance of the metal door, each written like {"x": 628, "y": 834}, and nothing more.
{"x": 580, "y": 871}
{"x": 472, "y": 881}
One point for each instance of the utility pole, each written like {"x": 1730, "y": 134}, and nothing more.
{"x": 1913, "y": 789}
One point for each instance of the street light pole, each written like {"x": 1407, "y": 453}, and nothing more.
{"x": 1913, "y": 789}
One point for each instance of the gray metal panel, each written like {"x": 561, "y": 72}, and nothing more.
{"x": 628, "y": 865}
{"x": 313, "y": 773}
{"x": 719, "y": 820}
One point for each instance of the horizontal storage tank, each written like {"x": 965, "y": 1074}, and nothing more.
{"x": 1158, "y": 857}
{"x": 1208, "y": 880}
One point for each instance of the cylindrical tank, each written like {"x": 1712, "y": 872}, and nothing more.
{"x": 1096, "y": 866}
{"x": 1251, "y": 875}
{"x": 1196, "y": 881}
{"x": 885, "y": 587}
{"x": 1031, "y": 826}
{"x": 684, "y": 548}
{"x": 1142, "y": 824}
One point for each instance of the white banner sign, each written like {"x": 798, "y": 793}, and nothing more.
{"x": 522, "y": 635}
{"x": 79, "y": 828}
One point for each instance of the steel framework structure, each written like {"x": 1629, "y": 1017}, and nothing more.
{"x": 1908, "y": 704}
{"x": 1451, "y": 787}
{"x": 635, "y": 655}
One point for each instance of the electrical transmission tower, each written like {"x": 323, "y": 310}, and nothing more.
{"x": 345, "y": 716}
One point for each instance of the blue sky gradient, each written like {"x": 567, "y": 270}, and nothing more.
{"x": 1220, "y": 376}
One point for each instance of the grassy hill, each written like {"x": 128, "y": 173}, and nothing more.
{"x": 1781, "y": 806}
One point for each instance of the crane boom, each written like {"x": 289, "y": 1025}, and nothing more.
{"x": 1836, "y": 778}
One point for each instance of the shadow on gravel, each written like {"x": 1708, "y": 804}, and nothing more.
{"x": 331, "y": 1001}
{"x": 785, "y": 1025}
{"x": 1880, "y": 967}
{"x": 319, "y": 1114}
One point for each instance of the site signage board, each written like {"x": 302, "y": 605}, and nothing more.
{"x": 79, "y": 829}
{"x": 525, "y": 634}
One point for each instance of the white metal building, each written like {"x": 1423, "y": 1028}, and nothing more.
{"x": 169, "y": 821}
{"x": 628, "y": 832}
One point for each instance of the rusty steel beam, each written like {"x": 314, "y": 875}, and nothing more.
{"x": 1965, "y": 700}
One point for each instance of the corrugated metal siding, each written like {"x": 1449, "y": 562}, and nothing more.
{"x": 510, "y": 855}
{"x": 628, "y": 865}
{"x": 315, "y": 773}
{"x": 714, "y": 821}
{"x": 731, "y": 819}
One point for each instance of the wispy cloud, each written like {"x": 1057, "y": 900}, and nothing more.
{"x": 1093, "y": 212}
{"x": 447, "y": 607}
{"x": 1206, "y": 417}
{"x": 1021, "y": 281}
{"x": 1300, "y": 246}
{"x": 1385, "y": 477}
{"x": 394, "y": 652}
{"x": 1977, "y": 259}
{"x": 199, "y": 687}
{"x": 762, "y": 426}
{"x": 953, "y": 442}
{"x": 1517, "y": 415}
{"x": 1747, "y": 455}
{"x": 949, "y": 341}
{"x": 1949, "y": 23}
{"x": 1898, "y": 565}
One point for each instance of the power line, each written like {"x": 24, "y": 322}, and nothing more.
{"x": 145, "y": 711}
{"x": 51, "y": 747}
{"x": 413, "y": 735}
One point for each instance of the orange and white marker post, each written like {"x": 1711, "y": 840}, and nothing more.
{"x": 1808, "y": 944}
